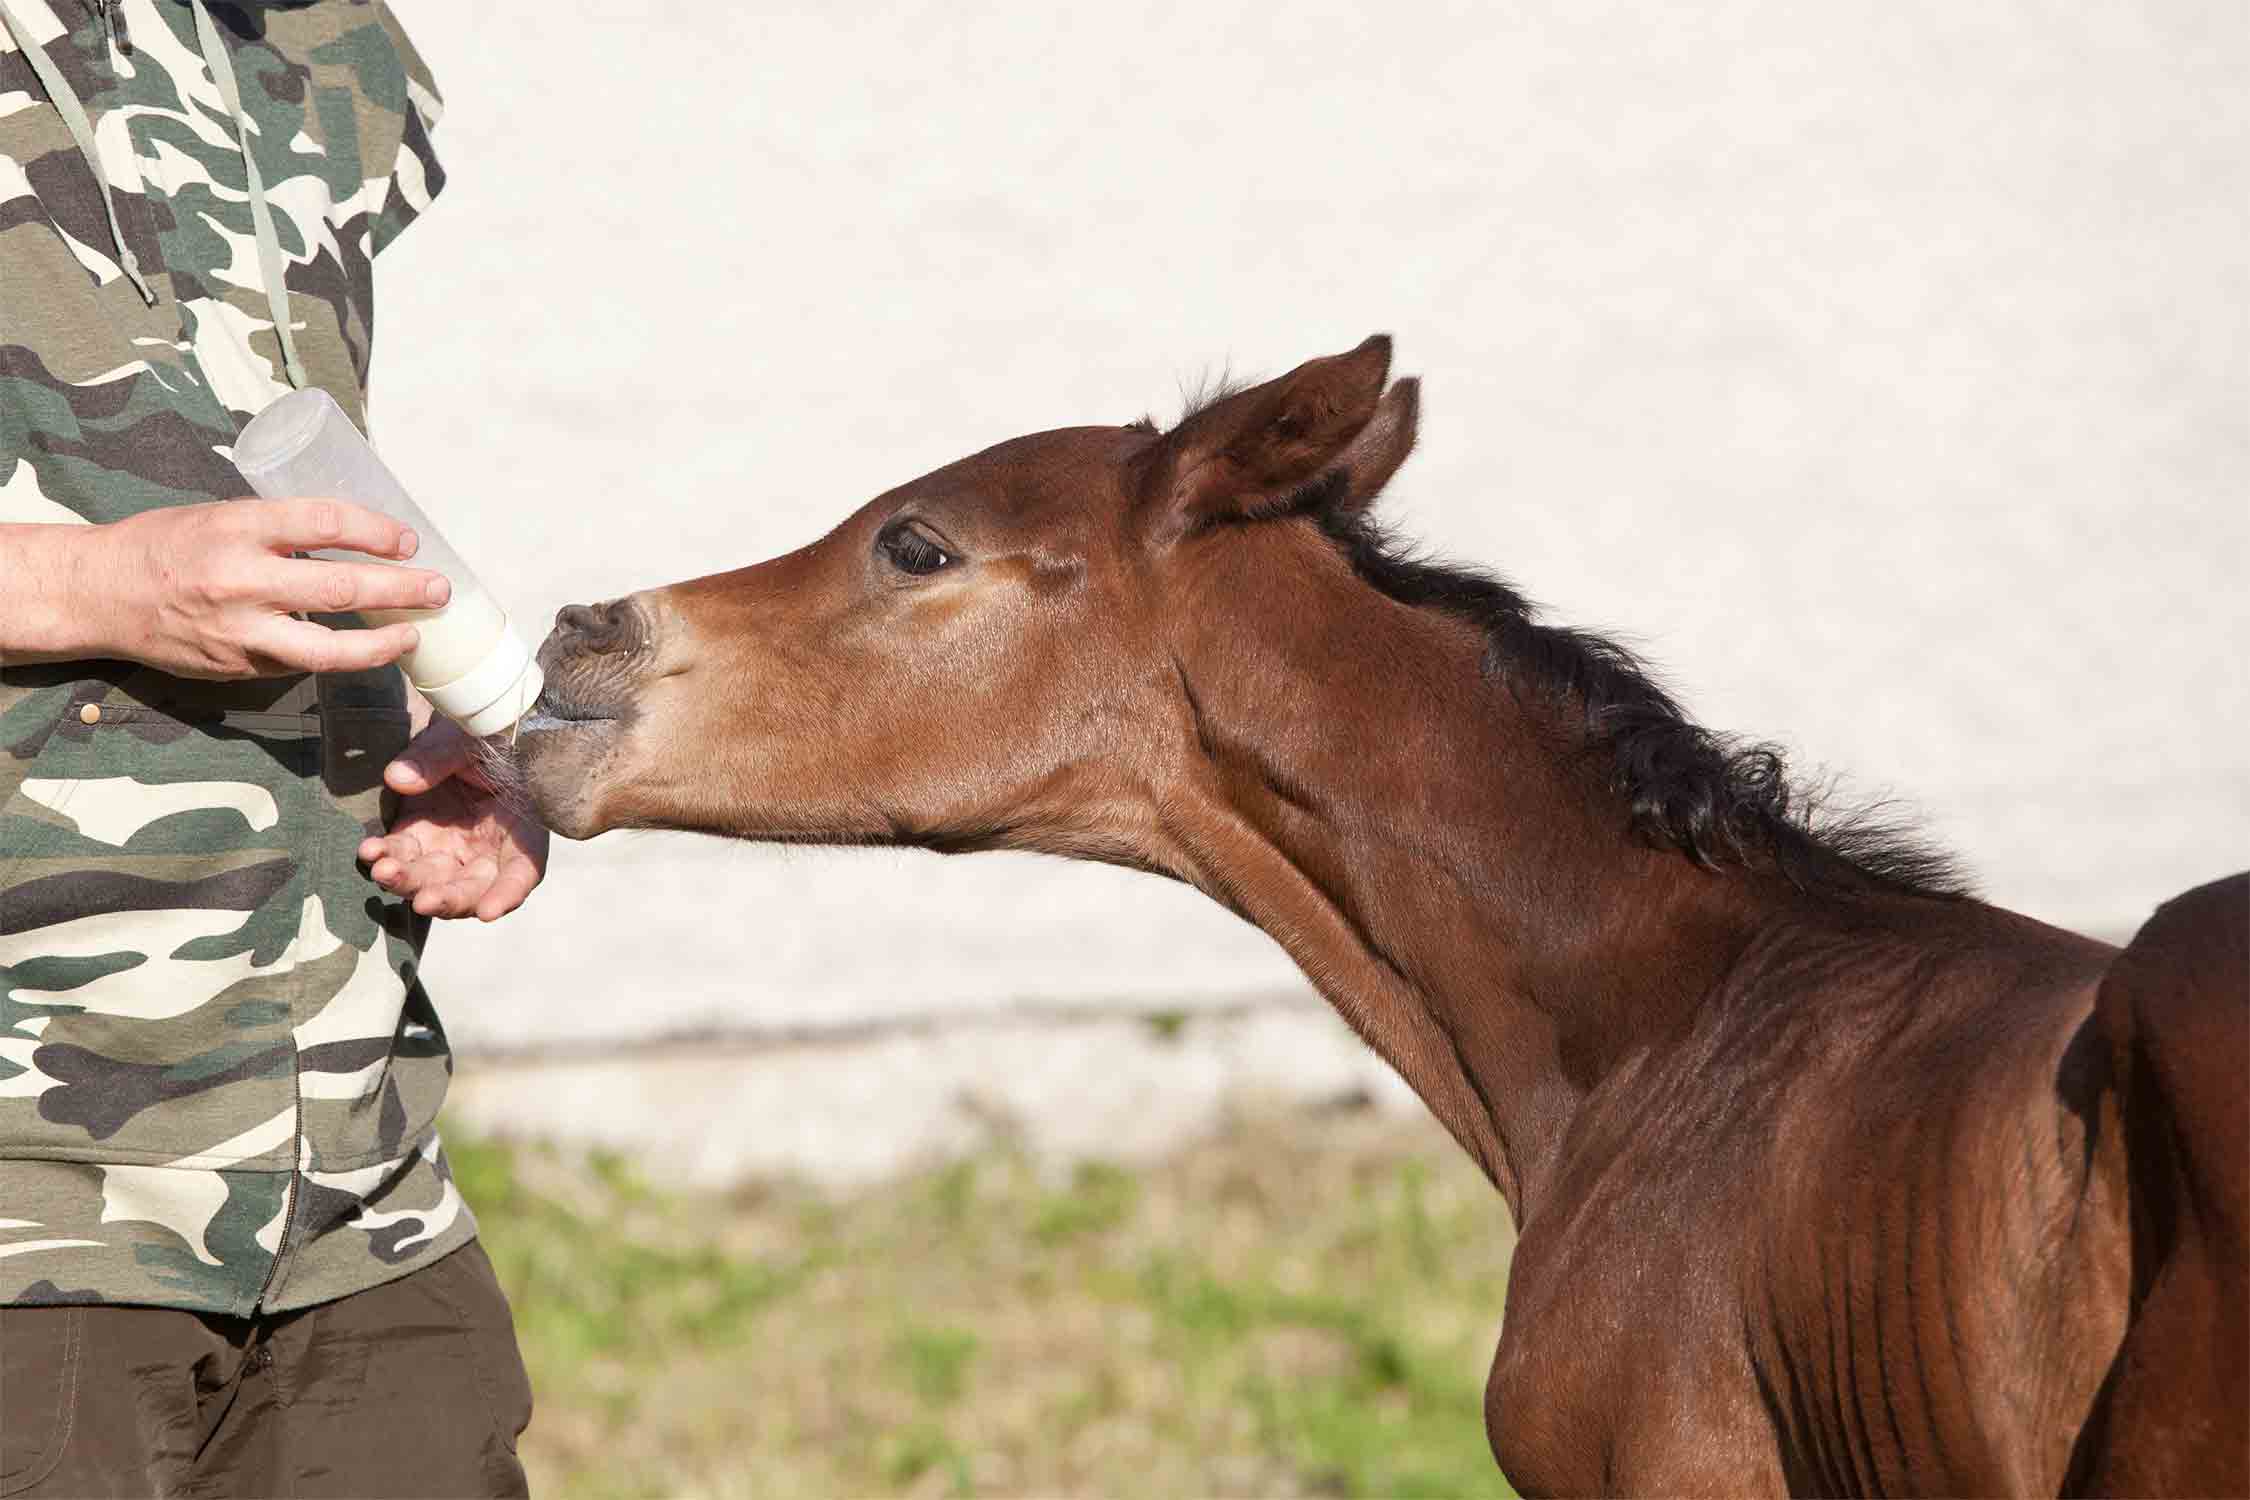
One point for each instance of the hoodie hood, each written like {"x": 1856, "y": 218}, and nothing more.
{"x": 216, "y": 57}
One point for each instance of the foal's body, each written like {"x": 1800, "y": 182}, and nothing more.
{"x": 1810, "y": 1175}
{"x": 1827, "y": 1177}
{"x": 1849, "y": 1213}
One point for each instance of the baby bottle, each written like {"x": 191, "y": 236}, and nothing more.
{"x": 471, "y": 664}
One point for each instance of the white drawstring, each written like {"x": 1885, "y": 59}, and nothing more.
{"x": 270, "y": 264}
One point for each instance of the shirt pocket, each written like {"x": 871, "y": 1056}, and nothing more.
{"x": 151, "y": 943}
{"x": 34, "y": 803}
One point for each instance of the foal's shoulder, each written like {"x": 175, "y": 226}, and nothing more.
{"x": 1956, "y": 963}
{"x": 1901, "y": 1031}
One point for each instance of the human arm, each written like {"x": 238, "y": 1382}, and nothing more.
{"x": 210, "y": 590}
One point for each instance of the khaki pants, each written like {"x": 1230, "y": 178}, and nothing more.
{"x": 412, "y": 1388}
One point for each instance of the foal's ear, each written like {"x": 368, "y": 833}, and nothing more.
{"x": 1382, "y": 445}
{"x": 1249, "y": 455}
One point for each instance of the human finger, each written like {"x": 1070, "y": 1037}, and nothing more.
{"x": 302, "y": 646}
{"x": 397, "y": 844}
{"x": 467, "y": 890}
{"x": 439, "y": 752}
{"x": 310, "y": 524}
{"x": 509, "y": 889}
{"x": 457, "y": 895}
{"x": 388, "y": 857}
{"x": 317, "y": 586}
{"x": 429, "y": 886}
{"x": 389, "y": 872}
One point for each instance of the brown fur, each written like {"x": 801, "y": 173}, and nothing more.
{"x": 1827, "y": 1180}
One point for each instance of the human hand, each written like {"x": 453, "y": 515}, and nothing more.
{"x": 457, "y": 847}
{"x": 209, "y": 590}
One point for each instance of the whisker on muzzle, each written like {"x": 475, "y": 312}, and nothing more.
{"x": 499, "y": 768}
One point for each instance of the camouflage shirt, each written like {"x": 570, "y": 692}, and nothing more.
{"x": 218, "y": 1071}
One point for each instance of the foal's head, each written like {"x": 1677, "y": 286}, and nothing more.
{"x": 986, "y": 657}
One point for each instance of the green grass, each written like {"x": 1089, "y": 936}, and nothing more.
{"x": 936, "y": 1362}
{"x": 1304, "y": 1307}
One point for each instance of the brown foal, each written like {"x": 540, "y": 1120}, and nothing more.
{"x": 1829, "y": 1178}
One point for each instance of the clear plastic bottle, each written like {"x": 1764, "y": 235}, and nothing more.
{"x": 471, "y": 664}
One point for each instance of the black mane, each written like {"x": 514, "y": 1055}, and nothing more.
{"x": 1719, "y": 800}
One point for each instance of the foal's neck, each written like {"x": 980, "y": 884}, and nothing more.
{"x": 1439, "y": 854}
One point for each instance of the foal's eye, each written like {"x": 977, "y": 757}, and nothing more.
{"x": 912, "y": 550}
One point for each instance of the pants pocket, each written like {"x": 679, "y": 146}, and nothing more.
{"x": 40, "y": 1348}
{"x": 473, "y": 1287}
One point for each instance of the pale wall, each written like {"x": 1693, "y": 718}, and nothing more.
{"x": 1880, "y": 366}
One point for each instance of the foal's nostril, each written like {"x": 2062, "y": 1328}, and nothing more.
{"x": 599, "y": 628}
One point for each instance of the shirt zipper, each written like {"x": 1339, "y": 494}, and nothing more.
{"x": 120, "y": 34}
{"x": 288, "y": 1207}
{"x": 296, "y": 1165}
